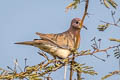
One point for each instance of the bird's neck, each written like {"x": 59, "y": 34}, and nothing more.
{"x": 75, "y": 33}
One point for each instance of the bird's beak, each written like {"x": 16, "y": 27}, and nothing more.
{"x": 82, "y": 26}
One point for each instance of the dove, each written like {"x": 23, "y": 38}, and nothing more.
{"x": 58, "y": 45}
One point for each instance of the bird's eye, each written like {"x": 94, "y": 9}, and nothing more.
{"x": 77, "y": 22}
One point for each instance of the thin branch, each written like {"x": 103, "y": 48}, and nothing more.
{"x": 25, "y": 64}
{"x": 113, "y": 13}
{"x": 98, "y": 58}
{"x": 65, "y": 71}
{"x": 81, "y": 24}
{"x": 71, "y": 66}
{"x": 77, "y": 40}
{"x": 79, "y": 75}
{"x": 87, "y": 52}
{"x": 111, "y": 74}
{"x": 43, "y": 54}
{"x": 113, "y": 39}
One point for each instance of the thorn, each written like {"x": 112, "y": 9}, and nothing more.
{"x": 99, "y": 58}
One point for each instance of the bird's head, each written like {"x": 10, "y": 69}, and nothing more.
{"x": 75, "y": 24}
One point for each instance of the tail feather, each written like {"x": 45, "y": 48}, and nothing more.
{"x": 37, "y": 33}
{"x": 26, "y": 43}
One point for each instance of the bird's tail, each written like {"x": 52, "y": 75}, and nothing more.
{"x": 26, "y": 43}
{"x": 38, "y": 33}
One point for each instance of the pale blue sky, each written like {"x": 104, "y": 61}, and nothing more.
{"x": 20, "y": 19}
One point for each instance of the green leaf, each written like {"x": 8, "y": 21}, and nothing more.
{"x": 106, "y": 4}
{"x": 113, "y": 4}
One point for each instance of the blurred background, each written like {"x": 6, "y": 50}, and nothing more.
{"x": 20, "y": 19}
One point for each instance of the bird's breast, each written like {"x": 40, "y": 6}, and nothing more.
{"x": 54, "y": 50}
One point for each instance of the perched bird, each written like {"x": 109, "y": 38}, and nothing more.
{"x": 58, "y": 45}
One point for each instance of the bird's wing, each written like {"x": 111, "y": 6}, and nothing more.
{"x": 37, "y": 42}
{"x": 50, "y": 37}
{"x": 63, "y": 40}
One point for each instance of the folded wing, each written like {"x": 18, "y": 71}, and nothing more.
{"x": 63, "y": 40}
